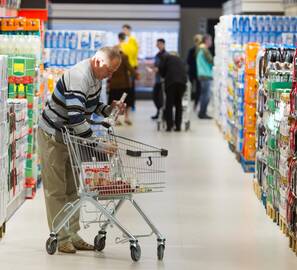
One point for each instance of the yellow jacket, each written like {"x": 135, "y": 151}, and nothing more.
{"x": 130, "y": 48}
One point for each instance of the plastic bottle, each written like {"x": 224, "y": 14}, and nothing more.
{"x": 54, "y": 39}
{"x": 47, "y": 39}
{"x": 234, "y": 25}
{"x": 72, "y": 57}
{"x": 60, "y": 40}
{"x": 279, "y": 24}
{"x": 261, "y": 24}
{"x": 73, "y": 40}
{"x": 246, "y": 25}
{"x": 293, "y": 24}
{"x": 267, "y": 24}
{"x": 273, "y": 24}
{"x": 66, "y": 40}
{"x": 254, "y": 24}
{"x": 240, "y": 24}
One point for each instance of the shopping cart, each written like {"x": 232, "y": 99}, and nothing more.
{"x": 186, "y": 109}
{"x": 109, "y": 170}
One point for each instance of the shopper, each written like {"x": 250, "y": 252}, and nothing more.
{"x": 75, "y": 98}
{"x": 192, "y": 69}
{"x": 157, "y": 90}
{"x": 120, "y": 82}
{"x": 130, "y": 48}
{"x": 174, "y": 72}
{"x": 204, "y": 65}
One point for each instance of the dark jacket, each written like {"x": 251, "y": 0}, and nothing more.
{"x": 191, "y": 61}
{"x": 121, "y": 78}
{"x": 158, "y": 57}
{"x": 172, "y": 69}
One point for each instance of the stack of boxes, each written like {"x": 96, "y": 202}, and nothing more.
{"x": 21, "y": 72}
{"x": 19, "y": 25}
{"x": 4, "y": 142}
{"x": 18, "y": 144}
{"x": 250, "y": 99}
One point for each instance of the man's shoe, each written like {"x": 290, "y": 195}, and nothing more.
{"x": 67, "y": 247}
{"x": 168, "y": 129}
{"x": 177, "y": 129}
{"x": 155, "y": 117}
{"x": 206, "y": 117}
{"x": 82, "y": 245}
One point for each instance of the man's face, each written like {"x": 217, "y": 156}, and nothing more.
{"x": 126, "y": 31}
{"x": 160, "y": 45}
{"x": 104, "y": 69}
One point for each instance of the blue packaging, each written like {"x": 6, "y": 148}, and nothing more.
{"x": 286, "y": 27}
{"x": 85, "y": 54}
{"x": 246, "y": 26}
{"x": 260, "y": 24}
{"x": 234, "y": 25}
{"x": 85, "y": 40}
{"x": 279, "y": 39}
{"x": 97, "y": 41}
{"x": 60, "y": 58}
{"x": 273, "y": 25}
{"x": 279, "y": 24}
{"x": 253, "y": 37}
{"x": 240, "y": 24}
{"x": 293, "y": 24}
{"x": 54, "y": 39}
{"x": 254, "y": 24}
{"x": 246, "y": 38}
{"x": 66, "y": 40}
{"x": 267, "y": 24}
{"x": 60, "y": 38}
{"x": 272, "y": 38}
{"x": 47, "y": 40}
{"x": 73, "y": 40}
{"x": 265, "y": 37}
{"x": 72, "y": 57}
{"x": 78, "y": 56}
{"x": 259, "y": 37}
{"x": 66, "y": 59}
{"x": 53, "y": 57}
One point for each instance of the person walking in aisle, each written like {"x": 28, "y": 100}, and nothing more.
{"x": 130, "y": 48}
{"x": 120, "y": 83}
{"x": 192, "y": 69}
{"x": 204, "y": 66}
{"x": 173, "y": 70}
{"x": 157, "y": 90}
{"x": 75, "y": 99}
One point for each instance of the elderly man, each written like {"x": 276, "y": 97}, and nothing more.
{"x": 75, "y": 99}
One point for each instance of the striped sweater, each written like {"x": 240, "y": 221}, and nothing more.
{"x": 74, "y": 100}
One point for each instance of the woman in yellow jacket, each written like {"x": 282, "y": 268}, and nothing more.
{"x": 130, "y": 48}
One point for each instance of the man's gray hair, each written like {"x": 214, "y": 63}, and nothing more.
{"x": 110, "y": 53}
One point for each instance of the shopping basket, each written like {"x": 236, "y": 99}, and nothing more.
{"x": 111, "y": 168}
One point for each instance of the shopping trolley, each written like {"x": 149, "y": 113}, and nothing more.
{"x": 186, "y": 109}
{"x": 109, "y": 170}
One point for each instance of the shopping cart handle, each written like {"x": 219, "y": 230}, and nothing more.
{"x": 102, "y": 123}
{"x": 132, "y": 153}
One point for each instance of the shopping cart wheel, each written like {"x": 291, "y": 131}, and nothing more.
{"x": 187, "y": 125}
{"x": 135, "y": 251}
{"x": 160, "y": 252}
{"x": 99, "y": 241}
{"x": 51, "y": 245}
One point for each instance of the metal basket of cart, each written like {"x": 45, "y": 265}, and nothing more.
{"x": 109, "y": 170}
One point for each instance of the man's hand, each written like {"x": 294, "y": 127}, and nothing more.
{"x": 119, "y": 105}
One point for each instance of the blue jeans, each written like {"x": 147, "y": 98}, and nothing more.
{"x": 205, "y": 96}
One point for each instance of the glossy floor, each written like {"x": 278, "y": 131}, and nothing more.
{"x": 209, "y": 214}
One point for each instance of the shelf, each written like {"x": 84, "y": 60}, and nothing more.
{"x": 15, "y": 204}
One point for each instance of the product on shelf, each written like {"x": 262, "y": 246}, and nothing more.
{"x": 4, "y": 131}
{"x": 275, "y": 132}
{"x": 236, "y": 119}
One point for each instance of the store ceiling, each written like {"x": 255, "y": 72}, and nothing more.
{"x": 183, "y": 3}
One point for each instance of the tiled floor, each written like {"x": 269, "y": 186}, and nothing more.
{"x": 209, "y": 214}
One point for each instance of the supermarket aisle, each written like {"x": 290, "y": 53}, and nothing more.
{"x": 209, "y": 214}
